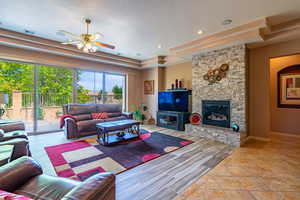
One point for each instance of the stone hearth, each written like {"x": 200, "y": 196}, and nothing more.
{"x": 232, "y": 88}
{"x": 224, "y": 135}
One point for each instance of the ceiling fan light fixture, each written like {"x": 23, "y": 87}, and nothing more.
{"x": 80, "y": 45}
{"x": 86, "y": 41}
{"x": 88, "y": 45}
{"x": 85, "y": 49}
{"x": 94, "y": 49}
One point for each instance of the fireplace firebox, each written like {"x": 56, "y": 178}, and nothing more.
{"x": 216, "y": 113}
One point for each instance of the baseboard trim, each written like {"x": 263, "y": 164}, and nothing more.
{"x": 285, "y": 134}
{"x": 259, "y": 138}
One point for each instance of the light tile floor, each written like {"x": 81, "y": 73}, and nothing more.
{"x": 257, "y": 171}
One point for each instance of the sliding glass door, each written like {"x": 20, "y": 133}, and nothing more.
{"x": 114, "y": 88}
{"x": 35, "y": 94}
{"x": 101, "y": 87}
{"x": 89, "y": 87}
{"x": 17, "y": 89}
{"x": 54, "y": 88}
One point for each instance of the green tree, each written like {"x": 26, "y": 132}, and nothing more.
{"x": 15, "y": 76}
{"x": 55, "y": 85}
{"x": 118, "y": 92}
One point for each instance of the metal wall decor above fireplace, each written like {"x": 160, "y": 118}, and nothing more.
{"x": 216, "y": 113}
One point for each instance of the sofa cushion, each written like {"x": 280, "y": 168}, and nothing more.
{"x": 114, "y": 114}
{"x": 88, "y": 125}
{"x": 76, "y": 109}
{"x": 109, "y": 108}
{"x": 47, "y": 187}
{"x": 83, "y": 117}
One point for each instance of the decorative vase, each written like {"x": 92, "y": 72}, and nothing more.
{"x": 180, "y": 84}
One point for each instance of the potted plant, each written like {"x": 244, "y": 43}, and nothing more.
{"x": 138, "y": 112}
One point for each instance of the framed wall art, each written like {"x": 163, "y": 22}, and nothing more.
{"x": 289, "y": 87}
{"x": 149, "y": 87}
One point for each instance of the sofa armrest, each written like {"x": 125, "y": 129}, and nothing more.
{"x": 15, "y": 141}
{"x": 21, "y": 147}
{"x": 15, "y": 126}
{"x": 18, "y": 172}
{"x": 128, "y": 115}
{"x": 13, "y": 135}
{"x": 10, "y": 137}
{"x": 71, "y": 129}
{"x": 99, "y": 186}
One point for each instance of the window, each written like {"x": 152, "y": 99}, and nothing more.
{"x": 36, "y": 93}
{"x": 54, "y": 88}
{"x": 100, "y": 87}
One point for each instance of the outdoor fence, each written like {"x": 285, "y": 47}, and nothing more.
{"x": 49, "y": 106}
{"x": 49, "y": 100}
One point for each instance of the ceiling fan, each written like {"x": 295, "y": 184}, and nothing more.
{"x": 86, "y": 42}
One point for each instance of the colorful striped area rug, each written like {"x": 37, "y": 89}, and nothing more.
{"x": 82, "y": 159}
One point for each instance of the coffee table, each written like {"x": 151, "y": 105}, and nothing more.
{"x": 123, "y": 129}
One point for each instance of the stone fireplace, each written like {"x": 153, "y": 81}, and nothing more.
{"x": 216, "y": 113}
{"x": 221, "y": 104}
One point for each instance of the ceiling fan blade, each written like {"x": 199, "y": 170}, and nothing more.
{"x": 65, "y": 33}
{"x": 72, "y": 42}
{"x": 105, "y": 45}
{"x": 98, "y": 35}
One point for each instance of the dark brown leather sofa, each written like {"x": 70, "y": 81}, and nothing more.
{"x": 14, "y": 142}
{"x": 13, "y": 148}
{"x": 24, "y": 176}
{"x": 85, "y": 125}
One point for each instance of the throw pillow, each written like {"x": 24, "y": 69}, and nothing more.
{"x": 11, "y": 196}
{"x": 102, "y": 115}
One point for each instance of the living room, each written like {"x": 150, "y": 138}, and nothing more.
{"x": 123, "y": 100}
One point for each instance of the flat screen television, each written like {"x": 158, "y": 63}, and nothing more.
{"x": 173, "y": 101}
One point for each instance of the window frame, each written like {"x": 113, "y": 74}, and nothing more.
{"x": 75, "y": 71}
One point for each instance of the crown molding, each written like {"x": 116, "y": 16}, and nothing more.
{"x": 254, "y": 34}
{"x": 21, "y": 40}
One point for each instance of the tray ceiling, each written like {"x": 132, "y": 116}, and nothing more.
{"x": 138, "y": 27}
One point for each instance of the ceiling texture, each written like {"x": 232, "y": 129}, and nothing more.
{"x": 138, "y": 27}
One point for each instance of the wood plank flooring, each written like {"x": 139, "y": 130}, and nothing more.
{"x": 167, "y": 176}
{"x": 160, "y": 179}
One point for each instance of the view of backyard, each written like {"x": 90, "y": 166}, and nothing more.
{"x": 36, "y": 93}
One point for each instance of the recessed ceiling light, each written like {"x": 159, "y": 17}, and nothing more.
{"x": 28, "y": 31}
{"x": 200, "y": 32}
{"x": 159, "y": 46}
{"x": 226, "y": 22}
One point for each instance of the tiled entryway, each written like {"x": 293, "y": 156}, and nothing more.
{"x": 257, "y": 171}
